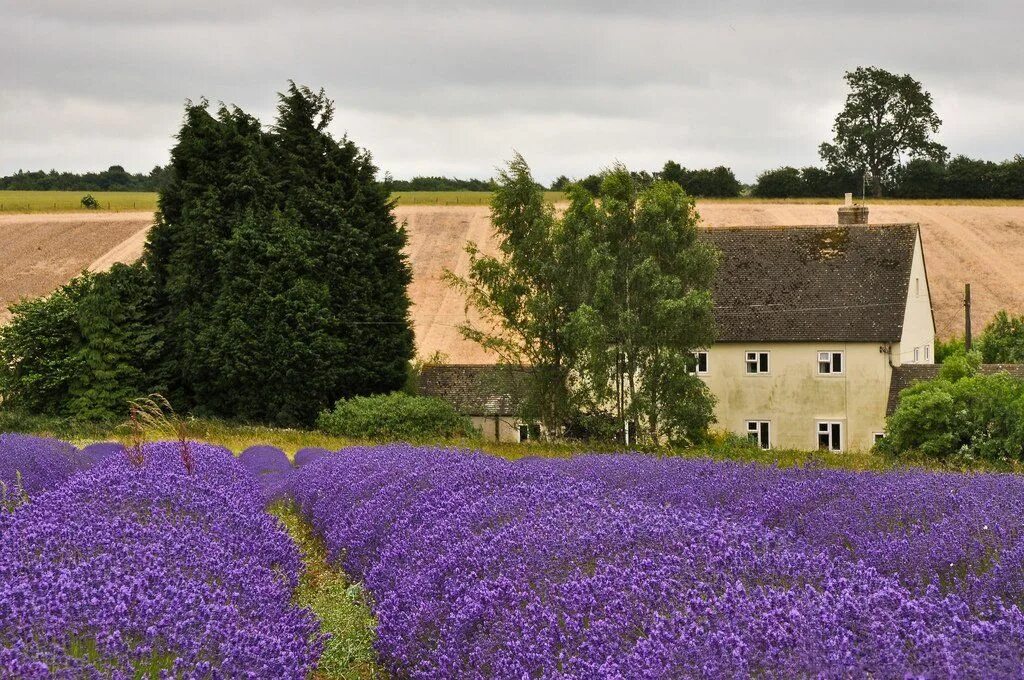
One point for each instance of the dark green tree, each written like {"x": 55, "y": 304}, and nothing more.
{"x": 281, "y": 266}
{"x": 886, "y": 117}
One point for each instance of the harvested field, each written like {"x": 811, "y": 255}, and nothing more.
{"x": 39, "y": 252}
{"x": 982, "y": 244}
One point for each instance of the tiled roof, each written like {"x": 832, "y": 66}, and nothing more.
{"x": 474, "y": 389}
{"x": 906, "y": 375}
{"x": 812, "y": 284}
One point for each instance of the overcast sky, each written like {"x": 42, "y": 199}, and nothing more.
{"x": 453, "y": 88}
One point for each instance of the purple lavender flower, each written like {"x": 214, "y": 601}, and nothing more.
{"x": 271, "y": 468}
{"x": 629, "y": 566}
{"x": 308, "y": 455}
{"x": 38, "y": 463}
{"x": 123, "y": 570}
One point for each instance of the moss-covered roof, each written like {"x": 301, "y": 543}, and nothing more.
{"x": 475, "y": 389}
{"x": 813, "y": 283}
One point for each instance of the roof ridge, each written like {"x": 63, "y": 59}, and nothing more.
{"x": 770, "y": 227}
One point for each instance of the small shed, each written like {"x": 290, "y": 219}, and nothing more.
{"x": 490, "y": 395}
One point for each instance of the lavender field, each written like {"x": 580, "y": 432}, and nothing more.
{"x": 594, "y": 566}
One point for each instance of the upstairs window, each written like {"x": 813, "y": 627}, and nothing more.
{"x": 927, "y": 352}
{"x": 700, "y": 363}
{"x": 917, "y": 354}
{"x": 830, "y": 363}
{"x": 830, "y": 436}
{"x": 759, "y": 432}
{"x": 757, "y": 362}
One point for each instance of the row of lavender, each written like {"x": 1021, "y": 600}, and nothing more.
{"x": 628, "y": 566}
{"x": 119, "y": 565}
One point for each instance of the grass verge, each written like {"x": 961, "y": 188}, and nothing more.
{"x": 71, "y": 201}
{"x": 341, "y": 605}
{"x": 238, "y": 436}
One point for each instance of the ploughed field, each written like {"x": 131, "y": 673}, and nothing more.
{"x": 972, "y": 242}
{"x": 161, "y": 557}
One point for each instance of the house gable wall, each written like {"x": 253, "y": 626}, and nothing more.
{"x": 918, "y": 322}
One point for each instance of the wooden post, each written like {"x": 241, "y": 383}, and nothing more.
{"x": 967, "y": 317}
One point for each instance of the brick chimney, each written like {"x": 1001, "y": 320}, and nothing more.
{"x": 852, "y": 214}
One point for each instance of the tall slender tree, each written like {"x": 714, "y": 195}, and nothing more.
{"x": 605, "y": 303}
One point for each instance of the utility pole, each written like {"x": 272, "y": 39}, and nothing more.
{"x": 967, "y": 317}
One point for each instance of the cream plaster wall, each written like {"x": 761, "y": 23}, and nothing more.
{"x": 793, "y": 397}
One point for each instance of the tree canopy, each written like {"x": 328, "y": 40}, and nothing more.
{"x": 272, "y": 285}
{"x": 886, "y": 117}
{"x": 605, "y": 303}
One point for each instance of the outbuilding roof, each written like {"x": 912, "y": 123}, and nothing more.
{"x": 812, "y": 283}
{"x": 475, "y": 389}
{"x": 906, "y": 375}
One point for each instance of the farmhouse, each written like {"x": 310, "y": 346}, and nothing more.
{"x": 812, "y": 322}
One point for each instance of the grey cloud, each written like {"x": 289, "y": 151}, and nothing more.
{"x": 748, "y": 84}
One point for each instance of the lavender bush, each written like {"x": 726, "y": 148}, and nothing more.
{"x": 128, "y": 570}
{"x": 308, "y": 455}
{"x": 271, "y": 468}
{"x": 100, "y": 451}
{"x": 627, "y": 566}
{"x": 35, "y": 463}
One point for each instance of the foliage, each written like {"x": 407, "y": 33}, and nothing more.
{"x": 440, "y": 184}
{"x": 961, "y": 415}
{"x": 342, "y": 607}
{"x": 395, "y": 416}
{"x": 1002, "y": 340}
{"x": 627, "y": 566}
{"x": 85, "y": 350}
{"x": 615, "y": 288}
{"x": 719, "y": 182}
{"x": 40, "y": 350}
{"x": 114, "y": 178}
{"x": 273, "y": 284}
{"x": 886, "y": 117}
{"x": 89, "y": 202}
{"x": 103, "y": 562}
{"x": 809, "y": 182}
{"x": 280, "y": 265}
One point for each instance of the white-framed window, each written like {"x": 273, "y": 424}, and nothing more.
{"x": 877, "y": 437}
{"x": 757, "y": 362}
{"x": 760, "y": 432}
{"x": 830, "y": 435}
{"x": 830, "y": 363}
{"x": 917, "y": 287}
{"x": 700, "y": 363}
{"x": 927, "y": 352}
{"x": 529, "y": 432}
{"x": 917, "y": 354}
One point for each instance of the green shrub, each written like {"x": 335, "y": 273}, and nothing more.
{"x": 395, "y": 416}
{"x": 962, "y": 416}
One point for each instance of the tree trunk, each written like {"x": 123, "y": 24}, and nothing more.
{"x": 876, "y": 183}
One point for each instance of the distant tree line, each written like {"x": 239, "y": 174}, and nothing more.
{"x": 961, "y": 177}
{"x": 441, "y": 184}
{"x": 114, "y": 178}
{"x": 719, "y": 182}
